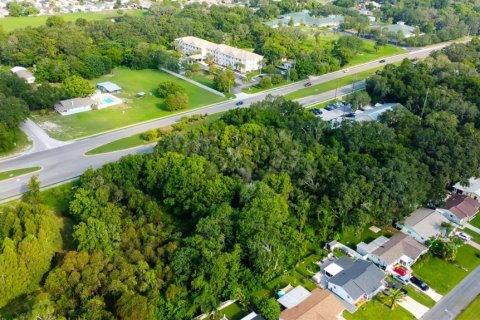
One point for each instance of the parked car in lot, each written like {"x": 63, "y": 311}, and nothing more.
{"x": 422, "y": 285}
{"x": 400, "y": 279}
{"x": 463, "y": 236}
{"x": 308, "y": 84}
{"x": 350, "y": 115}
{"x": 329, "y": 108}
{"x": 239, "y": 103}
{"x": 382, "y": 61}
{"x": 316, "y": 111}
{"x": 396, "y": 286}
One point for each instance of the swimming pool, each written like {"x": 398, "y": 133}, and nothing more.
{"x": 107, "y": 100}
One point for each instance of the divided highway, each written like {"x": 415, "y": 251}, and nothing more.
{"x": 68, "y": 161}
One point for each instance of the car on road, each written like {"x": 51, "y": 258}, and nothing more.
{"x": 308, "y": 84}
{"x": 396, "y": 286}
{"x": 346, "y": 70}
{"x": 382, "y": 61}
{"x": 419, "y": 283}
{"x": 239, "y": 103}
{"x": 463, "y": 236}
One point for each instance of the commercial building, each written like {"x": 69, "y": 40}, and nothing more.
{"x": 199, "y": 50}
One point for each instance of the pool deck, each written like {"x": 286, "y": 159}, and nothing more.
{"x": 100, "y": 98}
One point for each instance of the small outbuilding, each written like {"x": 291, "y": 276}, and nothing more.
{"x": 23, "y": 73}
{"x": 109, "y": 87}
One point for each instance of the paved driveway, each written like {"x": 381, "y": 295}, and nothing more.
{"x": 414, "y": 307}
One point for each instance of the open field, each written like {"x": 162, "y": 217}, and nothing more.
{"x": 11, "y": 23}
{"x": 133, "y": 110}
{"x": 376, "y": 309}
{"x": 472, "y": 311}
{"x": 15, "y": 173}
{"x": 442, "y": 275}
{"x": 204, "y": 78}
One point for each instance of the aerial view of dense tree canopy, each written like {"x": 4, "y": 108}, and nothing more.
{"x": 215, "y": 212}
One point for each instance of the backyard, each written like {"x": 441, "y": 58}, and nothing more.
{"x": 350, "y": 238}
{"x": 11, "y": 23}
{"x": 133, "y": 110}
{"x": 442, "y": 275}
{"x": 233, "y": 312}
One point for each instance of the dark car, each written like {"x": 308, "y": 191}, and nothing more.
{"x": 329, "y": 108}
{"x": 317, "y": 111}
{"x": 350, "y": 115}
{"x": 308, "y": 84}
{"x": 422, "y": 285}
{"x": 396, "y": 286}
{"x": 382, "y": 61}
{"x": 239, "y": 103}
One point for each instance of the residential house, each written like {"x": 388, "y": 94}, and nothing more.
{"x": 366, "y": 248}
{"x": 399, "y": 249}
{"x": 472, "y": 189}
{"x": 23, "y": 73}
{"x": 293, "y": 296}
{"x": 319, "y": 305}
{"x": 400, "y": 27}
{"x": 355, "y": 281}
{"x": 76, "y": 105}
{"x": 197, "y": 49}
{"x": 423, "y": 224}
{"x": 460, "y": 209}
{"x": 109, "y": 87}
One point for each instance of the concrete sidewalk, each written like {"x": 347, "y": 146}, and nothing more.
{"x": 473, "y": 228}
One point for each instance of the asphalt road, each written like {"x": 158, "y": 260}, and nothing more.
{"x": 68, "y": 161}
{"x": 451, "y": 305}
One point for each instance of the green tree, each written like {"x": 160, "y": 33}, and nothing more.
{"x": 394, "y": 296}
{"x": 32, "y": 195}
{"x": 358, "y": 99}
{"x": 169, "y": 87}
{"x": 224, "y": 81}
{"x": 177, "y": 101}
{"x": 75, "y": 86}
{"x": 265, "y": 83}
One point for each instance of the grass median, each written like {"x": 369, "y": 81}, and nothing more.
{"x": 18, "y": 172}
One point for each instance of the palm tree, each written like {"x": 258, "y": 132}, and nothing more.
{"x": 448, "y": 227}
{"x": 395, "y": 296}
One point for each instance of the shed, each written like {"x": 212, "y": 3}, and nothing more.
{"x": 109, "y": 87}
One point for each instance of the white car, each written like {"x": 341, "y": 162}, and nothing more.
{"x": 463, "y": 236}
{"x": 346, "y": 70}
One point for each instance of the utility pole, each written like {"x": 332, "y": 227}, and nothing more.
{"x": 425, "y": 102}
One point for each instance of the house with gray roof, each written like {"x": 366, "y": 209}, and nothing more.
{"x": 23, "y": 73}
{"x": 423, "y": 224}
{"x": 76, "y": 105}
{"x": 355, "y": 281}
{"x": 399, "y": 249}
{"x": 374, "y": 113}
{"x": 398, "y": 28}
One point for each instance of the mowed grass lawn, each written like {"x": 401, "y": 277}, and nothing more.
{"x": 11, "y": 23}
{"x": 331, "y": 85}
{"x": 377, "y": 309}
{"x": 472, "y": 312}
{"x": 443, "y": 276}
{"x": 476, "y": 221}
{"x": 133, "y": 110}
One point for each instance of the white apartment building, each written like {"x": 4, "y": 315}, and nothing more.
{"x": 200, "y": 50}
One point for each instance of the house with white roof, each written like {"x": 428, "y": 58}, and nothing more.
{"x": 472, "y": 189}
{"x": 23, "y": 73}
{"x": 423, "y": 224}
{"x": 221, "y": 54}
